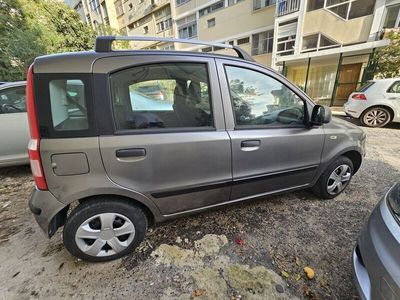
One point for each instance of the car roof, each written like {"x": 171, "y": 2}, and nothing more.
{"x": 387, "y": 80}
{"x": 12, "y": 84}
{"x": 83, "y": 61}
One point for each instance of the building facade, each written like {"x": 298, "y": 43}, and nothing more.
{"x": 324, "y": 46}
{"x": 99, "y": 14}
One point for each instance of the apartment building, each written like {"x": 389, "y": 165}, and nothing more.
{"x": 146, "y": 18}
{"x": 326, "y": 46}
{"x": 245, "y": 23}
{"x": 97, "y": 13}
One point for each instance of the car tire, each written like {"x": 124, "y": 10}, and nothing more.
{"x": 334, "y": 180}
{"x": 376, "y": 117}
{"x": 104, "y": 229}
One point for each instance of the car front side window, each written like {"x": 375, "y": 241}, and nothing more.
{"x": 260, "y": 100}
{"x": 13, "y": 100}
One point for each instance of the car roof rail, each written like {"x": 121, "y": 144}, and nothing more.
{"x": 104, "y": 43}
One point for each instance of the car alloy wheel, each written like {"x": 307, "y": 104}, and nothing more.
{"x": 339, "y": 179}
{"x": 105, "y": 234}
{"x": 376, "y": 117}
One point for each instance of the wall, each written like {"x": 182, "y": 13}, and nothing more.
{"x": 344, "y": 32}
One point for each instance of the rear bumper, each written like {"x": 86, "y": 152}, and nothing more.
{"x": 45, "y": 207}
{"x": 354, "y": 108}
{"x": 376, "y": 265}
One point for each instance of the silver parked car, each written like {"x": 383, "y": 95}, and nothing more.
{"x": 228, "y": 130}
{"x": 376, "y": 104}
{"x": 14, "y": 129}
{"x": 376, "y": 257}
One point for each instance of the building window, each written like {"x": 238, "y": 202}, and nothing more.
{"x": 315, "y": 4}
{"x": 258, "y": 4}
{"x": 119, "y": 8}
{"x": 146, "y": 29}
{"x": 187, "y": 27}
{"x": 317, "y": 42}
{"x": 392, "y": 19}
{"x": 262, "y": 42}
{"x": 346, "y": 9}
{"x": 180, "y": 2}
{"x": 242, "y": 41}
{"x": 232, "y": 2}
{"x": 211, "y": 8}
{"x": 95, "y": 5}
{"x": 164, "y": 25}
{"x": 211, "y": 22}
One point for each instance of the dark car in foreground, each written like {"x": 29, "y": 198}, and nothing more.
{"x": 376, "y": 257}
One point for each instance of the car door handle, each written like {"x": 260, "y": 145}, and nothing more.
{"x": 132, "y": 152}
{"x": 250, "y": 145}
{"x": 393, "y": 98}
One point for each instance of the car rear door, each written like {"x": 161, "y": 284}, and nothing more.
{"x": 393, "y": 95}
{"x": 272, "y": 148}
{"x": 14, "y": 130}
{"x": 176, "y": 150}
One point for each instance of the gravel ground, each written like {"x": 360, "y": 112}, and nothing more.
{"x": 254, "y": 250}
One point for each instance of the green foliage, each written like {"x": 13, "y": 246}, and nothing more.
{"x": 30, "y": 28}
{"x": 388, "y": 58}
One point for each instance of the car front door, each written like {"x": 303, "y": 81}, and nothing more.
{"x": 174, "y": 149}
{"x": 273, "y": 149}
{"x": 14, "y": 130}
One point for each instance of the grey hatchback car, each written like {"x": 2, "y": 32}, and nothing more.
{"x": 227, "y": 130}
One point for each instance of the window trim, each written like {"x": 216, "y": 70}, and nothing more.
{"x": 306, "y": 122}
{"x": 45, "y": 119}
{"x": 117, "y": 131}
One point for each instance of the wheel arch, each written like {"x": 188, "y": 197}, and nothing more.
{"x": 382, "y": 105}
{"x": 355, "y": 157}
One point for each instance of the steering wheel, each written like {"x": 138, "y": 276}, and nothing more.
{"x": 291, "y": 115}
{"x": 5, "y": 108}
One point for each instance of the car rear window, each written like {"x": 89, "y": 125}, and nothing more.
{"x": 68, "y": 105}
{"x": 365, "y": 87}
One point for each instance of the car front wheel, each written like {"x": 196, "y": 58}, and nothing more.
{"x": 104, "y": 229}
{"x": 334, "y": 179}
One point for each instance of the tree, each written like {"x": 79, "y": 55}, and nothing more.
{"x": 388, "y": 58}
{"x": 30, "y": 28}
{"x": 19, "y": 43}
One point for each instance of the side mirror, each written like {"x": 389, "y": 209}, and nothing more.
{"x": 320, "y": 115}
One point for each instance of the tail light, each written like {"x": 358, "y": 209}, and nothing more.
{"x": 34, "y": 143}
{"x": 359, "y": 96}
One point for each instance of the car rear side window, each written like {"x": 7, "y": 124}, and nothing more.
{"x": 68, "y": 105}
{"x": 395, "y": 88}
{"x": 12, "y": 100}
{"x": 168, "y": 95}
{"x": 365, "y": 87}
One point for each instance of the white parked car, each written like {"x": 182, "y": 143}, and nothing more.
{"x": 14, "y": 129}
{"x": 376, "y": 104}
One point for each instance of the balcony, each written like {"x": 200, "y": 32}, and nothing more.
{"x": 285, "y": 7}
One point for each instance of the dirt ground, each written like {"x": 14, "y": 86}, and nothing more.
{"x": 254, "y": 250}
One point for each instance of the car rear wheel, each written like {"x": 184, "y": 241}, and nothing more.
{"x": 104, "y": 229}
{"x": 335, "y": 178}
{"x": 376, "y": 117}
